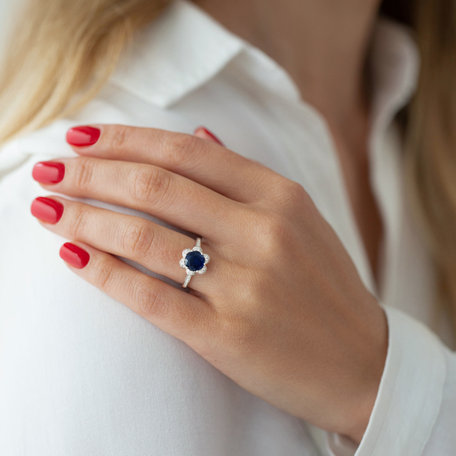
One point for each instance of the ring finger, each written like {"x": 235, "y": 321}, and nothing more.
{"x": 153, "y": 246}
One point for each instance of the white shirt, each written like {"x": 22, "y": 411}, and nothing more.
{"x": 81, "y": 374}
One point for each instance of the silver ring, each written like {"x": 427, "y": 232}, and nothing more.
{"x": 194, "y": 261}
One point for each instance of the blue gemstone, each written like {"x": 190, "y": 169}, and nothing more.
{"x": 194, "y": 260}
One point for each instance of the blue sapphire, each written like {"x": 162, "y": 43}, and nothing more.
{"x": 194, "y": 260}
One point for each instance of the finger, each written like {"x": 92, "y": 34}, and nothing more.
{"x": 204, "y": 133}
{"x": 210, "y": 164}
{"x": 155, "y": 247}
{"x": 171, "y": 197}
{"x": 175, "y": 311}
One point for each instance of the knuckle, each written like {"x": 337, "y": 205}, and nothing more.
{"x": 83, "y": 173}
{"x": 148, "y": 299}
{"x": 118, "y": 137}
{"x": 251, "y": 292}
{"x": 78, "y": 222}
{"x": 104, "y": 275}
{"x": 273, "y": 233}
{"x": 291, "y": 192}
{"x": 180, "y": 146}
{"x": 295, "y": 190}
{"x": 138, "y": 239}
{"x": 150, "y": 184}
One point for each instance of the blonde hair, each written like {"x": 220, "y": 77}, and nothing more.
{"x": 429, "y": 126}
{"x": 66, "y": 51}
{"x": 62, "y": 56}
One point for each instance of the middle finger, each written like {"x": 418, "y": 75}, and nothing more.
{"x": 171, "y": 197}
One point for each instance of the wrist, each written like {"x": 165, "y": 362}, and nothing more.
{"x": 361, "y": 404}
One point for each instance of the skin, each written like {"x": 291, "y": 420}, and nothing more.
{"x": 313, "y": 40}
{"x": 301, "y": 332}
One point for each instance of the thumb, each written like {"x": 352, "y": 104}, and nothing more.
{"x": 204, "y": 133}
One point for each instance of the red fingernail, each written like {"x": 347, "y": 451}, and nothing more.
{"x": 210, "y": 134}
{"x": 48, "y": 172}
{"x": 74, "y": 255}
{"x": 46, "y": 209}
{"x": 82, "y": 136}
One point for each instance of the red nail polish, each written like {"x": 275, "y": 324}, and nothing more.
{"x": 74, "y": 255}
{"x": 48, "y": 172}
{"x": 46, "y": 209}
{"x": 211, "y": 135}
{"x": 82, "y": 136}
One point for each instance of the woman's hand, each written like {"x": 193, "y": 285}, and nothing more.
{"x": 281, "y": 309}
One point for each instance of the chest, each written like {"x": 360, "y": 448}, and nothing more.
{"x": 356, "y": 171}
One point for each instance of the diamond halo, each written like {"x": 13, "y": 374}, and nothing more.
{"x": 194, "y": 261}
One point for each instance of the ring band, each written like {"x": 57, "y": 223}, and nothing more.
{"x": 194, "y": 261}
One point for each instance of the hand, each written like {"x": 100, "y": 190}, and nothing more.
{"x": 281, "y": 309}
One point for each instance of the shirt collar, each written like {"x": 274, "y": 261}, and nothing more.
{"x": 394, "y": 61}
{"x": 185, "y": 47}
{"x": 181, "y": 50}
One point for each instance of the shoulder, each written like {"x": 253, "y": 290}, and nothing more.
{"x": 185, "y": 70}
{"x": 111, "y": 105}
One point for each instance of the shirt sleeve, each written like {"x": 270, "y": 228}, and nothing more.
{"x": 415, "y": 408}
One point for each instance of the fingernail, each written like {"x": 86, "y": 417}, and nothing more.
{"x": 74, "y": 255}
{"x": 210, "y": 134}
{"x": 82, "y": 136}
{"x": 46, "y": 209}
{"x": 48, "y": 172}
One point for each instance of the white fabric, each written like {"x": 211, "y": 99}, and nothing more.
{"x": 81, "y": 374}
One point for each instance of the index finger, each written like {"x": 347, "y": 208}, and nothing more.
{"x": 212, "y": 165}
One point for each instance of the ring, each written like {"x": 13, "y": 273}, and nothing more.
{"x": 194, "y": 261}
